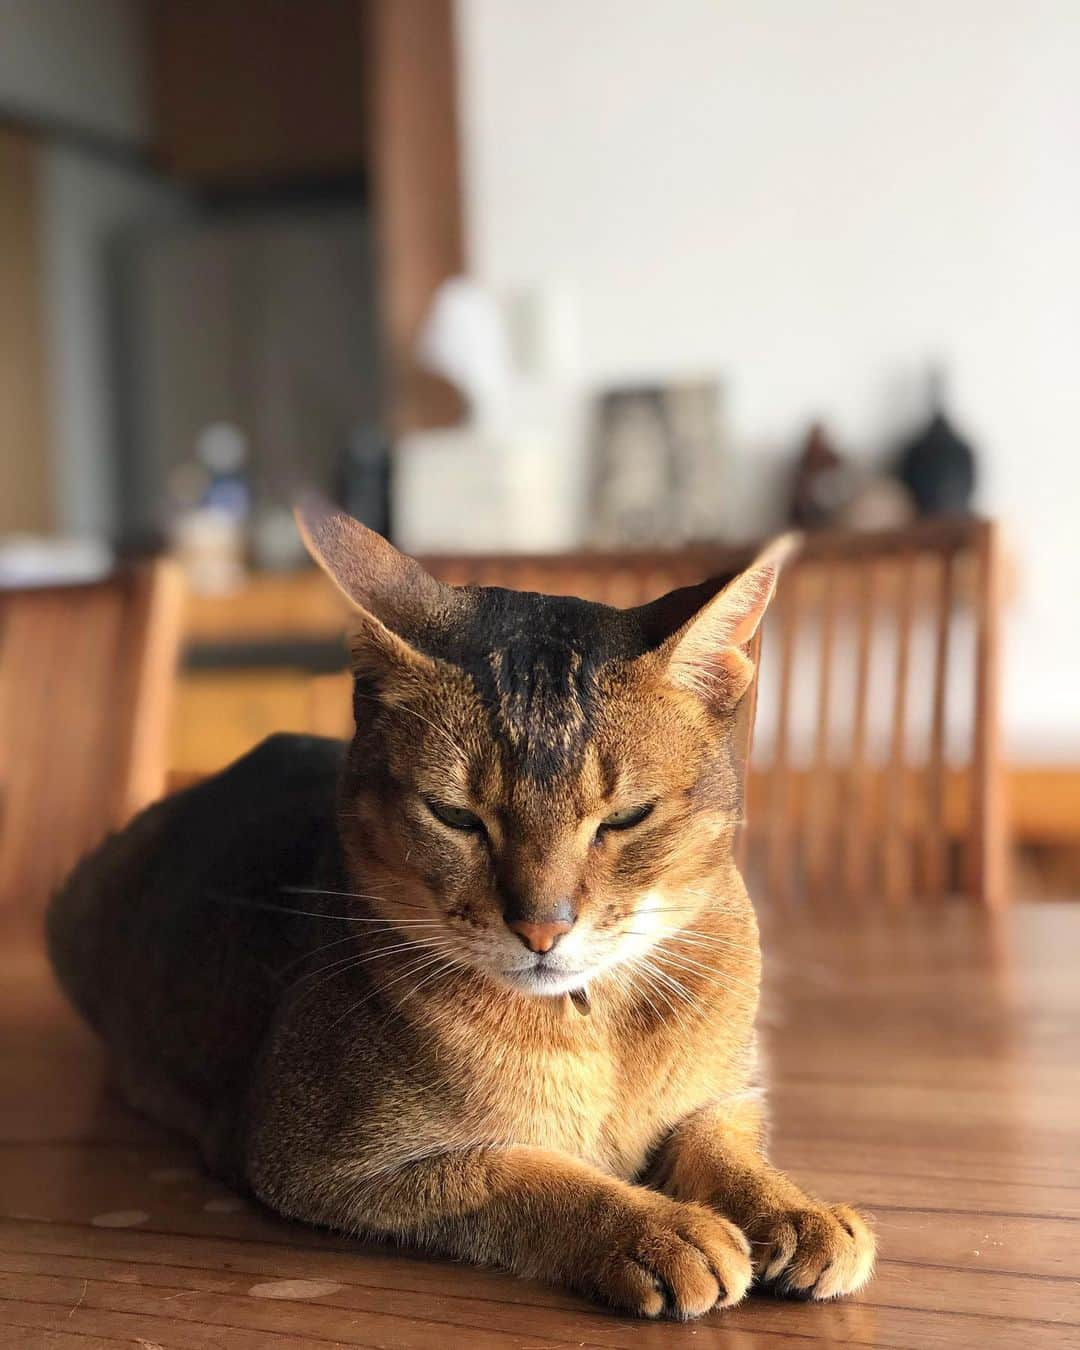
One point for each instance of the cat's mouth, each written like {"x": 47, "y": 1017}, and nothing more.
{"x": 546, "y": 978}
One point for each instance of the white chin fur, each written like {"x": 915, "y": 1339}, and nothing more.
{"x": 551, "y": 984}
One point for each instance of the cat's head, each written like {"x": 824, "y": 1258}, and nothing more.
{"x": 553, "y": 782}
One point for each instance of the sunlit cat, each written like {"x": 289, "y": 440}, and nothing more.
{"x": 485, "y": 980}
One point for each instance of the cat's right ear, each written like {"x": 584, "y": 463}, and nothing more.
{"x": 393, "y": 600}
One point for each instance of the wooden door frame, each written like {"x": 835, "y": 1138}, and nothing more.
{"x": 415, "y": 163}
{"x": 26, "y": 461}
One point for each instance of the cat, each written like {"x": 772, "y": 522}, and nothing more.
{"x": 484, "y": 981}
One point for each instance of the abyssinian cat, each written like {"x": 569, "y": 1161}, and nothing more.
{"x": 485, "y": 980}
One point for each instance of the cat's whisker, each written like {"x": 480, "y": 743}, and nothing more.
{"x": 665, "y": 976}
{"x": 683, "y": 962}
{"x": 662, "y": 981}
{"x": 712, "y": 895}
{"x": 422, "y": 963}
{"x": 414, "y": 970}
{"x": 386, "y": 882}
{"x": 349, "y": 895}
{"x": 625, "y": 982}
{"x": 706, "y": 940}
{"x": 338, "y": 968}
{"x": 724, "y": 958}
{"x": 361, "y": 959}
{"x": 306, "y": 956}
{"x": 716, "y": 961}
{"x": 389, "y": 929}
{"x": 672, "y": 981}
{"x": 691, "y": 967}
{"x": 645, "y": 983}
{"x": 244, "y": 903}
{"x": 678, "y": 909}
{"x": 442, "y": 970}
{"x": 687, "y": 960}
{"x": 656, "y": 971}
{"x": 722, "y": 946}
{"x": 329, "y": 972}
{"x": 394, "y": 901}
{"x": 335, "y": 968}
{"x": 318, "y": 890}
{"x": 691, "y": 910}
{"x": 380, "y": 922}
{"x": 649, "y": 983}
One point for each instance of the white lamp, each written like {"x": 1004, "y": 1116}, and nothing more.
{"x": 500, "y": 480}
{"x": 464, "y": 340}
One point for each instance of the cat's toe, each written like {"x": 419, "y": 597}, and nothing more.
{"x": 678, "y": 1261}
{"x": 814, "y": 1253}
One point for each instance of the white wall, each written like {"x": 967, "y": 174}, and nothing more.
{"x": 813, "y": 200}
{"x": 76, "y": 61}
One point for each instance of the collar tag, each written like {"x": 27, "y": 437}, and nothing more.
{"x": 580, "y": 999}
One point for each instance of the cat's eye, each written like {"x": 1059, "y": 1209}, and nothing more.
{"x": 625, "y": 818}
{"x": 456, "y": 817}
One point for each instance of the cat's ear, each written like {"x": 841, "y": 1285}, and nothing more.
{"x": 393, "y": 600}
{"x": 708, "y": 653}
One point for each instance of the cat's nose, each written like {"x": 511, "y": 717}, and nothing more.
{"x": 538, "y": 937}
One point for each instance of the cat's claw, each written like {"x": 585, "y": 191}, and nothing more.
{"x": 813, "y": 1253}
{"x": 674, "y": 1260}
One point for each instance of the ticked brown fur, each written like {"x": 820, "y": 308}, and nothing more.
{"x": 333, "y": 998}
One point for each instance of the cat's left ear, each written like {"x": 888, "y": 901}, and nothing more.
{"x": 708, "y": 654}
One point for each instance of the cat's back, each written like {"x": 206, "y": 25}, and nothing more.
{"x": 179, "y": 914}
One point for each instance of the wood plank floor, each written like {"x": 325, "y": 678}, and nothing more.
{"x": 926, "y": 1066}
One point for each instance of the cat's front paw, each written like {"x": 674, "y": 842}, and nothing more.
{"x": 661, "y": 1258}
{"x": 815, "y": 1253}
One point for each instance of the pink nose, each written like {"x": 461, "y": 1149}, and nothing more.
{"x": 539, "y": 937}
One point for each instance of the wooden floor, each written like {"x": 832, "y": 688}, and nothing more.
{"x": 926, "y": 1067}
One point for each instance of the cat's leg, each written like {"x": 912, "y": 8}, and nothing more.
{"x": 801, "y": 1247}
{"x": 146, "y": 1090}
{"x": 216, "y": 1130}
{"x": 537, "y": 1212}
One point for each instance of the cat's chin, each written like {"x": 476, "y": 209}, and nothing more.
{"x": 545, "y": 981}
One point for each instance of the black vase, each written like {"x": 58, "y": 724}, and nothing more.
{"x": 938, "y": 466}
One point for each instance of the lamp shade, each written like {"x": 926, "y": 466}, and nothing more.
{"x": 464, "y": 340}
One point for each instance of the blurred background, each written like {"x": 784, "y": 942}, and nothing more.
{"x": 530, "y": 287}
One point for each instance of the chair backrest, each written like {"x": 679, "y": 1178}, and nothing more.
{"x": 86, "y": 674}
{"x": 875, "y": 768}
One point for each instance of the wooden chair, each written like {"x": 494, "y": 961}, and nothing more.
{"x": 875, "y": 768}
{"x": 86, "y": 674}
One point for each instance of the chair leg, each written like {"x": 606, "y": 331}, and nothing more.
{"x": 988, "y": 853}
